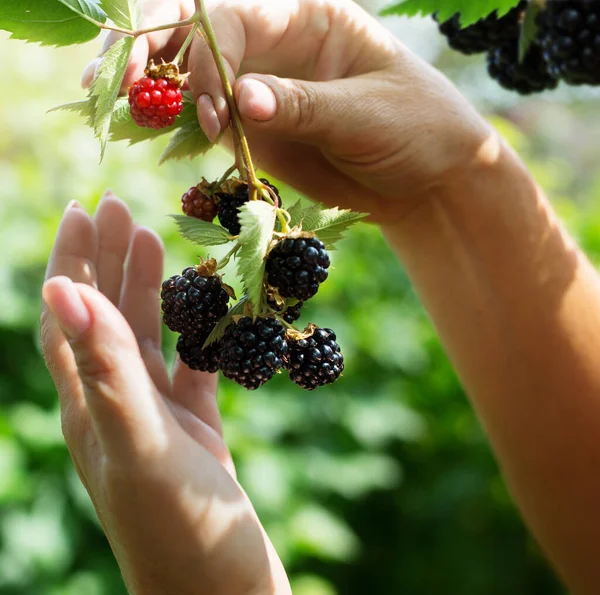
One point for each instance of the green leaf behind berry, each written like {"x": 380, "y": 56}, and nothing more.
{"x": 189, "y": 141}
{"x": 123, "y": 13}
{"x": 329, "y": 224}
{"x": 529, "y": 27}
{"x": 470, "y": 10}
{"x": 200, "y": 232}
{"x": 123, "y": 126}
{"x": 219, "y": 330}
{"x": 295, "y": 213}
{"x": 257, "y": 219}
{"x": 106, "y": 86}
{"x": 86, "y": 109}
{"x": 52, "y": 22}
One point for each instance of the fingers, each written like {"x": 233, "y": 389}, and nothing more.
{"x": 115, "y": 226}
{"x": 140, "y": 302}
{"x": 74, "y": 256}
{"x": 129, "y": 417}
{"x": 197, "y": 392}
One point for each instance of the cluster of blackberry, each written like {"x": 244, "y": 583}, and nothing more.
{"x": 566, "y": 46}
{"x": 252, "y": 349}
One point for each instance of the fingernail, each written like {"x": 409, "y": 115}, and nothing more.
{"x": 207, "y": 116}
{"x": 66, "y": 304}
{"x": 89, "y": 73}
{"x": 73, "y": 205}
{"x": 256, "y": 100}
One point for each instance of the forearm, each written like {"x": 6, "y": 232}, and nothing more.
{"x": 518, "y": 308}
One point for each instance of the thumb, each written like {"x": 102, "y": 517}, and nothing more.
{"x": 125, "y": 408}
{"x": 306, "y": 111}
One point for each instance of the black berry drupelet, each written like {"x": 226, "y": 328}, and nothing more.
{"x": 252, "y": 352}
{"x": 193, "y": 355}
{"x": 193, "y": 302}
{"x": 485, "y": 34}
{"x": 532, "y": 75}
{"x": 316, "y": 360}
{"x": 297, "y": 266}
{"x": 569, "y": 32}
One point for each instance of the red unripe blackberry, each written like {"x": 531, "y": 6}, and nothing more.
{"x": 486, "y": 33}
{"x": 198, "y": 204}
{"x": 316, "y": 360}
{"x": 252, "y": 351}
{"x": 156, "y": 99}
{"x": 297, "y": 266}
{"x": 525, "y": 77}
{"x": 194, "y": 301}
{"x": 569, "y": 32}
{"x": 194, "y": 356}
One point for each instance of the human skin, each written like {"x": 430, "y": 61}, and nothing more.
{"x": 339, "y": 109}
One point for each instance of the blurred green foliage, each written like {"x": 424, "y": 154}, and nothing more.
{"x": 382, "y": 484}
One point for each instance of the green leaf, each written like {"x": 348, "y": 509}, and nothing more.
{"x": 106, "y": 86}
{"x": 200, "y": 232}
{"x": 124, "y": 128}
{"x": 329, "y": 225}
{"x": 189, "y": 141}
{"x": 85, "y": 109}
{"x": 219, "y": 330}
{"x": 295, "y": 213}
{"x": 51, "y": 22}
{"x": 124, "y": 13}
{"x": 257, "y": 219}
{"x": 470, "y": 10}
{"x": 529, "y": 28}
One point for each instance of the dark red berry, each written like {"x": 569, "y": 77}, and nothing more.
{"x": 195, "y": 203}
{"x": 297, "y": 266}
{"x": 316, "y": 360}
{"x": 156, "y": 100}
{"x": 193, "y": 302}
{"x": 252, "y": 351}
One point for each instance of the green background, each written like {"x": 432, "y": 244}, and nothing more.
{"x": 381, "y": 484}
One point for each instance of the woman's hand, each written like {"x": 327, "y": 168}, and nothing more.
{"x": 148, "y": 448}
{"x": 332, "y": 103}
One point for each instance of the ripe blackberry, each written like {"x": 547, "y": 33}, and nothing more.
{"x": 252, "y": 351}
{"x": 231, "y": 202}
{"x": 569, "y": 32}
{"x": 297, "y": 266}
{"x": 229, "y": 209}
{"x": 290, "y": 315}
{"x": 194, "y": 301}
{"x": 155, "y": 100}
{"x": 526, "y": 77}
{"x": 315, "y": 361}
{"x": 196, "y": 203}
{"x": 485, "y": 34}
{"x": 193, "y": 355}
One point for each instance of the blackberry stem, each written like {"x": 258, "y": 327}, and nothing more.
{"x": 226, "y": 175}
{"x": 195, "y": 18}
{"x": 186, "y": 44}
{"x": 248, "y": 172}
{"x": 225, "y": 260}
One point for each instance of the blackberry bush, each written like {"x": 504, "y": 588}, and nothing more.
{"x": 252, "y": 352}
{"x": 194, "y": 301}
{"x": 485, "y": 34}
{"x": 195, "y": 356}
{"x": 569, "y": 32}
{"x": 532, "y": 75}
{"x": 297, "y": 266}
{"x": 315, "y": 360}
